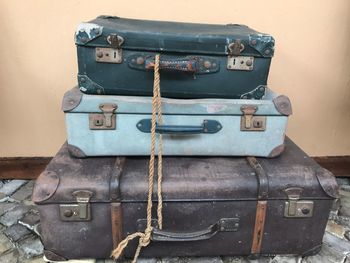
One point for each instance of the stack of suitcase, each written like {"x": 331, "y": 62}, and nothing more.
{"x": 217, "y": 111}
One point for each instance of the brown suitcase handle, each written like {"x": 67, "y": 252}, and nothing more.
{"x": 174, "y": 64}
{"x": 192, "y": 64}
{"x": 223, "y": 225}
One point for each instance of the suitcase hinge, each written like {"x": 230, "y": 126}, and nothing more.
{"x": 113, "y": 54}
{"x": 237, "y": 62}
{"x": 295, "y": 207}
{"x": 105, "y": 120}
{"x": 80, "y": 211}
{"x": 249, "y": 122}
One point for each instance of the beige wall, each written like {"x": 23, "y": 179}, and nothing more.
{"x": 311, "y": 63}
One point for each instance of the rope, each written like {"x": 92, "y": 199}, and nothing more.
{"x": 145, "y": 238}
{"x": 160, "y": 146}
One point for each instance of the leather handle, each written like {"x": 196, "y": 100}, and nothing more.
{"x": 179, "y": 129}
{"x": 208, "y": 126}
{"x": 191, "y": 64}
{"x": 174, "y": 64}
{"x": 223, "y": 225}
{"x": 161, "y": 235}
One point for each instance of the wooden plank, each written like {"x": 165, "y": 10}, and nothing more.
{"x": 31, "y": 167}
{"x": 338, "y": 165}
{"x": 23, "y": 167}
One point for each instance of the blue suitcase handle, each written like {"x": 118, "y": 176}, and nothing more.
{"x": 208, "y": 126}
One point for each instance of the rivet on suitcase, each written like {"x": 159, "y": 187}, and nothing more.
{"x": 211, "y": 206}
{"x": 116, "y": 57}
{"x": 120, "y": 125}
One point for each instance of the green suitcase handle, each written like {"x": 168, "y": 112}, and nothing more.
{"x": 208, "y": 126}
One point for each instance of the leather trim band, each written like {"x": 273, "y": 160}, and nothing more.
{"x": 259, "y": 227}
{"x": 263, "y": 191}
{"x": 263, "y": 181}
{"x": 115, "y": 179}
{"x": 116, "y": 221}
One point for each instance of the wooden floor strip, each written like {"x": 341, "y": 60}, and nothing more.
{"x": 31, "y": 167}
{"x": 22, "y": 168}
{"x": 338, "y": 165}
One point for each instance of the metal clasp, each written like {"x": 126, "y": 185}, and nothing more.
{"x": 235, "y": 48}
{"x": 249, "y": 122}
{"x": 237, "y": 62}
{"x": 113, "y": 54}
{"x": 80, "y": 211}
{"x": 104, "y": 121}
{"x": 295, "y": 207}
{"x": 115, "y": 41}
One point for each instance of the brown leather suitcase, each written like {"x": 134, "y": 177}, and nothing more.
{"x": 211, "y": 206}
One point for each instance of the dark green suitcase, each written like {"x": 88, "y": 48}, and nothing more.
{"x": 116, "y": 56}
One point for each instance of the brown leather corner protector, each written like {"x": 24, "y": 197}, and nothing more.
{"x": 327, "y": 182}
{"x": 276, "y": 151}
{"x": 53, "y": 256}
{"x": 76, "y": 151}
{"x": 45, "y": 186}
{"x": 283, "y": 105}
{"x": 71, "y": 99}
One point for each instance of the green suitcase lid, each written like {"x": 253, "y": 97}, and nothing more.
{"x": 192, "y": 38}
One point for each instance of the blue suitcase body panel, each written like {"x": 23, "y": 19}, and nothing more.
{"x": 224, "y": 137}
{"x": 200, "y": 60}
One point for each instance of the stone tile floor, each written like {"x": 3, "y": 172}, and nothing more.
{"x": 20, "y": 242}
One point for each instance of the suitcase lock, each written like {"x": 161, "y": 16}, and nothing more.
{"x": 80, "y": 211}
{"x": 237, "y": 62}
{"x": 113, "y": 54}
{"x": 105, "y": 120}
{"x": 249, "y": 122}
{"x": 295, "y": 207}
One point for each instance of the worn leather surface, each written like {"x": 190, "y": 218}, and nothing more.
{"x": 173, "y": 40}
{"x": 197, "y": 192}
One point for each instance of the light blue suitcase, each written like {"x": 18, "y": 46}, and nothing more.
{"x": 120, "y": 125}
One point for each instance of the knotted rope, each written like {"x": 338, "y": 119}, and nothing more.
{"x": 145, "y": 238}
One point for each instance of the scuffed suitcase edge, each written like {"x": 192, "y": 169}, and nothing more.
{"x": 76, "y": 151}
{"x": 86, "y": 32}
{"x": 313, "y": 251}
{"x": 71, "y": 99}
{"x": 49, "y": 255}
{"x": 283, "y": 105}
{"x": 277, "y": 151}
{"x": 45, "y": 186}
{"x": 87, "y": 86}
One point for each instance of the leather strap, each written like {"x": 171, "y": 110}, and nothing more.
{"x": 259, "y": 227}
{"x": 115, "y": 179}
{"x": 116, "y": 220}
{"x": 263, "y": 189}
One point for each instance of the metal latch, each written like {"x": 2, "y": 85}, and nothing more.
{"x": 113, "y": 54}
{"x": 295, "y": 207}
{"x": 105, "y": 120}
{"x": 80, "y": 211}
{"x": 235, "y": 48}
{"x": 249, "y": 122}
{"x": 237, "y": 62}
